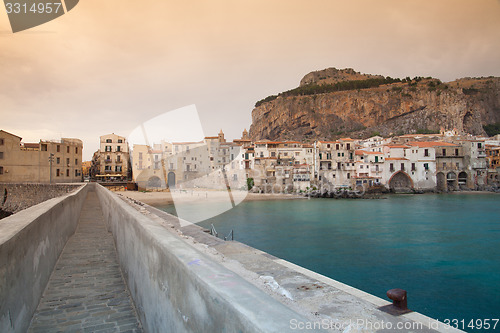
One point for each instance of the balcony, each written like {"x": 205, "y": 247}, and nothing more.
{"x": 118, "y": 161}
{"x": 108, "y": 160}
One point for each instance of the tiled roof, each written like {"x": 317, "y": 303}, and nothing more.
{"x": 427, "y": 144}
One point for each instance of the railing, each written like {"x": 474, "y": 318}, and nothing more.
{"x": 214, "y": 232}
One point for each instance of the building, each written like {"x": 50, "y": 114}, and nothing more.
{"x": 43, "y": 162}
{"x": 112, "y": 160}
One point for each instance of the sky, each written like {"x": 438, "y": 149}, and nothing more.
{"x": 108, "y": 66}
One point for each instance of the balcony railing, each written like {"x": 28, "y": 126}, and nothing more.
{"x": 108, "y": 160}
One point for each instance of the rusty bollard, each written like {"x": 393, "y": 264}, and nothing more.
{"x": 399, "y": 299}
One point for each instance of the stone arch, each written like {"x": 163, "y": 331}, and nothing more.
{"x": 171, "y": 179}
{"x": 154, "y": 182}
{"x": 400, "y": 182}
{"x": 441, "y": 182}
{"x": 463, "y": 178}
{"x": 451, "y": 181}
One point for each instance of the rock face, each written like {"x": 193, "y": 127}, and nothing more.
{"x": 396, "y": 108}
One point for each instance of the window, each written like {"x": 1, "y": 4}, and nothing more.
{"x": 58, "y": 160}
{"x": 391, "y": 167}
{"x": 140, "y": 156}
{"x": 361, "y": 166}
{"x": 426, "y": 166}
{"x": 58, "y": 172}
{"x": 67, "y": 149}
{"x": 479, "y": 145}
{"x": 413, "y": 167}
{"x": 67, "y": 172}
{"x": 444, "y": 165}
{"x": 1, "y": 155}
{"x": 444, "y": 152}
{"x": 426, "y": 152}
{"x": 273, "y": 154}
{"x": 67, "y": 161}
{"x": 402, "y": 166}
{"x": 118, "y": 168}
{"x": 348, "y": 175}
{"x": 107, "y": 168}
{"x": 108, "y": 148}
{"x": 458, "y": 165}
{"x": 337, "y": 147}
{"x": 109, "y": 140}
{"x": 1, "y": 142}
{"x": 58, "y": 149}
{"x": 76, "y": 161}
{"x": 76, "y": 173}
{"x": 118, "y": 148}
{"x": 348, "y": 146}
{"x": 76, "y": 150}
{"x": 44, "y": 147}
{"x": 1, "y": 170}
{"x": 120, "y": 141}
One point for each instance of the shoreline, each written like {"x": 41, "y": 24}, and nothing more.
{"x": 165, "y": 198}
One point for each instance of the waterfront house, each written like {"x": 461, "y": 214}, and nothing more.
{"x": 112, "y": 158}
{"x": 48, "y": 161}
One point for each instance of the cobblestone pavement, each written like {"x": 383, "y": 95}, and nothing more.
{"x": 86, "y": 292}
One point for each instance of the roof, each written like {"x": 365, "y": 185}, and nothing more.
{"x": 211, "y": 137}
{"x": 396, "y": 159}
{"x": 346, "y": 139}
{"x": 362, "y": 152}
{"x": 428, "y": 144}
{"x": 397, "y": 146}
{"x": 31, "y": 145}
{"x": 10, "y": 134}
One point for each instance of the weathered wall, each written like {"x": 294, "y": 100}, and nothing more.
{"x": 30, "y": 244}
{"x": 176, "y": 288}
{"x": 18, "y": 196}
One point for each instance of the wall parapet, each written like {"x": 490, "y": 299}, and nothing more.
{"x": 176, "y": 288}
{"x": 31, "y": 242}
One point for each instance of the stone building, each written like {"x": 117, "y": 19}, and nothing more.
{"x": 48, "y": 161}
{"x": 112, "y": 160}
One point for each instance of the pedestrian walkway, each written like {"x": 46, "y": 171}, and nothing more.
{"x": 86, "y": 292}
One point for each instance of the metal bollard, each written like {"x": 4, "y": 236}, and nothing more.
{"x": 399, "y": 298}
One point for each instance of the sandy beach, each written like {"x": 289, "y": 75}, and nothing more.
{"x": 166, "y": 198}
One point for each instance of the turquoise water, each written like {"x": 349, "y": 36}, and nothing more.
{"x": 443, "y": 249}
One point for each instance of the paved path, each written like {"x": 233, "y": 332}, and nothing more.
{"x": 86, "y": 292}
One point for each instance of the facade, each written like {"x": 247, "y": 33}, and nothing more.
{"x": 444, "y": 162}
{"x": 111, "y": 161}
{"x": 42, "y": 162}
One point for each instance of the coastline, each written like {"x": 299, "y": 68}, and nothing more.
{"x": 165, "y": 198}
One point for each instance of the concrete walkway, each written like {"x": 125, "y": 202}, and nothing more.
{"x": 86, "y": 292}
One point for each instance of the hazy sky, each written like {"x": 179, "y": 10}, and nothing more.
{"x": 110, "y": 65}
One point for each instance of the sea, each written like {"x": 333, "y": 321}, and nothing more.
{"x": 443, "y": 249}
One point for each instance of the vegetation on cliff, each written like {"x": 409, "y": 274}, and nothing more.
{"x": 314, "y": 88}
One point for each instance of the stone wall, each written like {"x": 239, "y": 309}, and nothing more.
{"x": 16, "y": 197}
{"x": 176, "y": 288}
{"x": 30, "y": 244}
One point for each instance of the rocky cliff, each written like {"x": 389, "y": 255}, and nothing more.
{"x": 333, "y": 103}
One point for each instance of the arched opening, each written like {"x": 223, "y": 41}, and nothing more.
{"x": 400, "y": 182}
{"x": 154, "y": 182}
{"x": 462, "y": 179}
{"x": 451, "y": 181}
{"x": 171, "y": 180}
{"x": 441, "y": 182}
